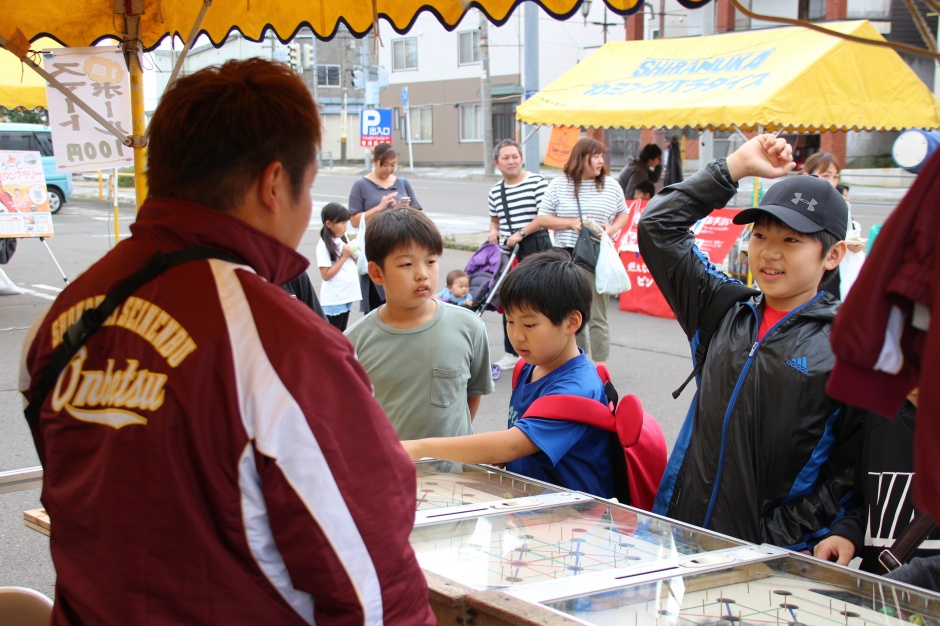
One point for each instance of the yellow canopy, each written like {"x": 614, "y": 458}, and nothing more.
{"x": 793, "y": 79}
{"x": 82, "y": 22}
{"x": 19, "y": 85}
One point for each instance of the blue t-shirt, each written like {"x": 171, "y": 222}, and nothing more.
{"x": 447, "y": 296}
{"x": 573, "y": 455}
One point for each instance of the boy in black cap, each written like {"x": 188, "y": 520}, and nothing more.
{"x": 764, "y": 454}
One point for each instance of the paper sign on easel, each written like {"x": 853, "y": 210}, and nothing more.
{"x": 24, "y": 200}
{"x": 560, "y": 144}
{"x": 99, "y": 77}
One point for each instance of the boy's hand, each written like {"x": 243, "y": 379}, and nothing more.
{"x": 835, "y": 548}
{"x": 411, "y": 447}
{"x": 765, "y": 156}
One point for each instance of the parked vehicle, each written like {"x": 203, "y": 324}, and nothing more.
{"x": 39, "y": 138}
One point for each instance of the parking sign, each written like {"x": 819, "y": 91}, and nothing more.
{"x": 375, "y": 127}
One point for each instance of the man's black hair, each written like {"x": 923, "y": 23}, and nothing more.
{"x": 400, "y": 226}
{"x": 550, "y": 283}
{"x": 649, "y": 152}
{"x": 646, "y": 187}
{"x": 824, "y": 237}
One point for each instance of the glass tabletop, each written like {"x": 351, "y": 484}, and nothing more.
{"x": 790, "y": 590}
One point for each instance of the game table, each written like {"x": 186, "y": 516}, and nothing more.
{"x": 501, "y": 549}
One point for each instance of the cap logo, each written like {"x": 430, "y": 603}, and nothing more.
{"x": 798, "y": 197}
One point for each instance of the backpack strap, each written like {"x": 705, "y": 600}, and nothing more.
{"x": 721, "y": 302}
{"x": 516, "y": 371}
{"x": 92, "y": 319}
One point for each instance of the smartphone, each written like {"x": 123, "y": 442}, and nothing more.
{"x": 404, "y": 201}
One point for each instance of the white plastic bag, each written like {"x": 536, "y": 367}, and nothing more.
{"x": 362, "y": 263}
{"x": 610, "y": 276}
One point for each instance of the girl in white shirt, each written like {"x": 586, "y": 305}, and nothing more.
{"x": 336, "y": 259}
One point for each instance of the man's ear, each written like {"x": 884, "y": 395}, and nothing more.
{"x": 375, "y": 273}
{"x": 271, "y": 185}
{"x": 835, "y": 255}
{"x": 573, "y": 322}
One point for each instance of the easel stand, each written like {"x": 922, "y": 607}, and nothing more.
{"x": 52, "y": 256}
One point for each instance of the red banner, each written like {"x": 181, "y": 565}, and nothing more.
{"x": 715, "y": 235}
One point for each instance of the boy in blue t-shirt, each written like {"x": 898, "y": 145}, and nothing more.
{"x": 547, "y": 300}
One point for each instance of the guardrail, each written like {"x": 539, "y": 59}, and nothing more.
{"x": 21, "y": 479}
{"x": 100, "y": 183}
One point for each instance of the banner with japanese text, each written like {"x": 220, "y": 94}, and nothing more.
{"x": 714, "y": 235}
{"x": 99, "y": 77}
{"x": 24, "y": 201}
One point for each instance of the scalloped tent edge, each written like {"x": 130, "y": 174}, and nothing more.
{"x": 770, "y": 78}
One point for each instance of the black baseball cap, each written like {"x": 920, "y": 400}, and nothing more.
{"x": 807, "y": 204}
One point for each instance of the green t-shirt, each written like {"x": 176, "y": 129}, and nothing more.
{"x": 422, "y": 376}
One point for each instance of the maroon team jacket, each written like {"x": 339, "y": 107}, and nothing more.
{"x": 902, "y": 271}
{"x": 214, "y": 455}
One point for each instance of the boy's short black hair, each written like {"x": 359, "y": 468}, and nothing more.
{"x": 824, "y": 237}
{"x": 646, "y": 187}
{"x": 453, "y": 275}
{"x": 550, "y": 283}
{"x": 400, "y": 226}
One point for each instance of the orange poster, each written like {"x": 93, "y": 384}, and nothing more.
{"x": 560, "y": 145}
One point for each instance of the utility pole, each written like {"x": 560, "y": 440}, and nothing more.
{"x": 369, "y": 88}
{"x": 533, "y": 156}
{"x": 487, "y": 95}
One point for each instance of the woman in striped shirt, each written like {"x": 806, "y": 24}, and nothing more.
{"x": 585, "y": 182}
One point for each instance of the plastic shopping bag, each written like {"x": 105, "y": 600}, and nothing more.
{"x": 362, "y": 263}
{"x": 610, "y": 276}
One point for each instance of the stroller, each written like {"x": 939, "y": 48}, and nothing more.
{"x": 487, "y": 269}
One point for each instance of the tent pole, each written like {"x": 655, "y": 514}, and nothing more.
{"x": 189, "y": 43}
{"x": 132, "y": 54}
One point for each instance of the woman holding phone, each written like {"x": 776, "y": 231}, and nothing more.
{"x": 375, "y": 192}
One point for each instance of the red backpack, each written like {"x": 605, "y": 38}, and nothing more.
{"x": 637, "y": 441}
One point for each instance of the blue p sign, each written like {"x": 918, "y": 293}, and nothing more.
{"x": 375, "y": 126}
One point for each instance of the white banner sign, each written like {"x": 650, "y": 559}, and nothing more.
{"x": 99, "y": 77}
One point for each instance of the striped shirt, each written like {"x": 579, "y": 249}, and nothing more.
{"x": 523, "y": 200}
{"x": 601, "y": 207}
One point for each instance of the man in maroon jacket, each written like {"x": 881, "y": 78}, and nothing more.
{"x": 213, "y": 454}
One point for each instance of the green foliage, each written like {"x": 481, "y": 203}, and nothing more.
{"x": 22, "y": 116}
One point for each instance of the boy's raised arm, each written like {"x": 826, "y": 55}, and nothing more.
{"x": 766, "y": 156}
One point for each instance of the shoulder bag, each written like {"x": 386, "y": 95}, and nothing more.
{"x": 588, "y": 246}
{"x": 539, "y": 241}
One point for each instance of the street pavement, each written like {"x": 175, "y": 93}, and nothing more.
{"x": 649, "y": 356}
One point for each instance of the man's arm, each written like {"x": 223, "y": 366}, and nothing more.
{"x": 498, "y": 447}
{"x": 473, "y": 402}
{"x": 494, "y": 230}
{"x": 362, "y": 519}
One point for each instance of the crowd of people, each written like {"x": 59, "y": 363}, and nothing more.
{"x": 222, "y": 454}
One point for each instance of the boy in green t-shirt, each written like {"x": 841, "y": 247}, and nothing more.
{"x": 429, "y": 361}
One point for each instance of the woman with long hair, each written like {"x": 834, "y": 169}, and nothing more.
{"x": 584, "y": 195}
{"x": 377, "y": 191}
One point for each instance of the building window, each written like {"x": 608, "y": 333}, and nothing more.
{"x": 421, "y": 126}
{"x": 328, "y": 76}
{"x": 468, "y": 48}
{"x": 405, "y": 54}
{"x": 471, "y": 122}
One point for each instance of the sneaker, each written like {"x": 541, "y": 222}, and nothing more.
{"x": 507, "y": 362}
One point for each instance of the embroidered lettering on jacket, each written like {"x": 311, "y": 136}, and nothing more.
{"x": 108, "y": 396}
{"x": 145, "y": 319}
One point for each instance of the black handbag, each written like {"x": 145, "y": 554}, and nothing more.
{"x": 7, "y": 248}
{"x": 539, "y": 241}
{"x": 588, "y": 247}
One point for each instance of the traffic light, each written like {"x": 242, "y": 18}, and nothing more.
{"x": 306, "y": 56}
{"x": 293, "y": 56}
{"x": 358, "y": 79}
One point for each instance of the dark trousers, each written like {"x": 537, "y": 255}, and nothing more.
{"x": 339, "y": 321}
